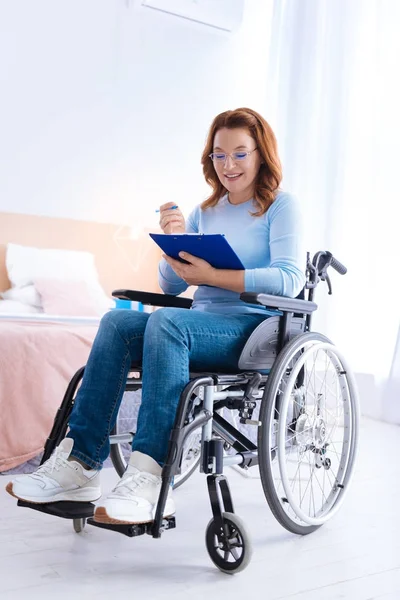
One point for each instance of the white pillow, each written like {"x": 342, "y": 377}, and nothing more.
{"x": 17, "y": 308}
{"x": 26, "y": 264}
{"x": 27, "y": 294}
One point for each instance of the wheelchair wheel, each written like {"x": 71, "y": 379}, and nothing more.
{"x": 229, "y": 546}
{"x": 190, "y": 459}
{"x": 309, "y": 432}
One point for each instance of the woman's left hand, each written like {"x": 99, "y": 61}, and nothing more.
{"x": 198, "y": 272}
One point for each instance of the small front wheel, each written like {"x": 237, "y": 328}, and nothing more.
{"x": 79, "y": 525}
{"x": 229, "y": 545}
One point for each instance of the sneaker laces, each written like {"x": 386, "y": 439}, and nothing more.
{"x": 54, "y": 463}
{"x": 132, "y": 481}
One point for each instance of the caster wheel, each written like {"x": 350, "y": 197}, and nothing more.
{"x": 229, "y": 546}
{"x": 79, "y": 525}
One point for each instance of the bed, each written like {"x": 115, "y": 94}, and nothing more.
{"x": 41, "y": 347}
{"x": 40, "y": 358}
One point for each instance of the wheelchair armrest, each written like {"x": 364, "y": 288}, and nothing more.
{"x": 280, "y": 302}
{"x": 153, "y": 299}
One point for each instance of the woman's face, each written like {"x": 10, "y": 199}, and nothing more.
{"x": 237, "y": 176}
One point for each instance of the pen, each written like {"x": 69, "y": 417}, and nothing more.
{"x": 170, "y": 208}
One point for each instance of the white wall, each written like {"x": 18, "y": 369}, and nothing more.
{"x": 105, "y": 104}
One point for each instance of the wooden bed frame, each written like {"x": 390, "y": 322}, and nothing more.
{"x": 121, "y": 262}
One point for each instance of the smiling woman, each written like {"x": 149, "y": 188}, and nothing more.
{"x": 241, "y": 158}
{"x": 260, "y": 221}
{"x": 244, "y": 173}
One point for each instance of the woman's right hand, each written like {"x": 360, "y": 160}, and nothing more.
{"x": 171, "y": 219}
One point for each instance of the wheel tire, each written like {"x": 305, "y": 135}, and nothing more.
{"x": 265, "y": 443}
{"x": 234, "y": 525}
{"x": 189, "y": 473}
{"x": 79, "y": 525}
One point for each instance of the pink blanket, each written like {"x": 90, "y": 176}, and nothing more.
{"x": 37, "y": 361}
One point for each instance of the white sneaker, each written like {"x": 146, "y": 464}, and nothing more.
{"x": 58, "y": 479}
{"x": 134, "y": 499}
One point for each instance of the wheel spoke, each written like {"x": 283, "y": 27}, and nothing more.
{"x": 236, "y": 555}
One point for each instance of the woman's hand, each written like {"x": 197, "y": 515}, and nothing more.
{"x": 171, "y": 219}
{"x": 197, "y": 272}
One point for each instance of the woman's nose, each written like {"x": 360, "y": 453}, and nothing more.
{"x": 229, "y": 162}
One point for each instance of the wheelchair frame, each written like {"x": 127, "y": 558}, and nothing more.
{"x": 241, "y": 391}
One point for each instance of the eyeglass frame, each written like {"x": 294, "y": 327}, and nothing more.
{"x": 248, "y": 152}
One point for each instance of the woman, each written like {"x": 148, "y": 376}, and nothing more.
{"x": 241, "y": 164}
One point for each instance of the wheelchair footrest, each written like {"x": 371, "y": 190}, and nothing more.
{"x": 65, "y": 510}
{"x": 132, "y": 530}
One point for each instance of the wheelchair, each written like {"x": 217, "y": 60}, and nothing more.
{"x": 292, "y": 384}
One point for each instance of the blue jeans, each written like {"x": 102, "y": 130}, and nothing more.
{"x": 165, "y": 342}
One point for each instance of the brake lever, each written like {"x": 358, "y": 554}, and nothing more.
{"x": 328, "y": 281}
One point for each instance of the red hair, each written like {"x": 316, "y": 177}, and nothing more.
{"x": 270, "y": 174}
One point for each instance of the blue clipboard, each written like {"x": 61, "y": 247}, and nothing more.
{"x": 212, "y": 247}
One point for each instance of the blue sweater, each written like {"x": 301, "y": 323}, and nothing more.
{"x": 268, "y": 246}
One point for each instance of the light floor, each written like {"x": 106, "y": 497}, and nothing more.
{"x": 355, "y": 556}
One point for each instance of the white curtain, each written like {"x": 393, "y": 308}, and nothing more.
{"x": 334, "y": 101}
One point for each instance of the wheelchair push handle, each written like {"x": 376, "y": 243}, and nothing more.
{"x": 338, "y": 266}
{"x": 317, "y": 270}
{"x": 323, "y": 260}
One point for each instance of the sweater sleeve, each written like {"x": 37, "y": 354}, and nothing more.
{"x": 168, "y": 280}
{"x": 285, "y": 275}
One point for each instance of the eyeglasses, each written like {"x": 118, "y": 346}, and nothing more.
{"x": 235, "y": 156}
